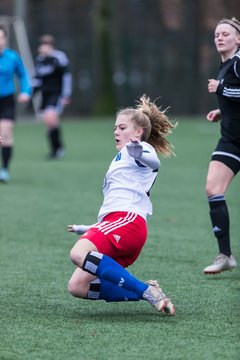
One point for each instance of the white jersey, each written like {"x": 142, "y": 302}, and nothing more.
{"x": 128, "y": 182}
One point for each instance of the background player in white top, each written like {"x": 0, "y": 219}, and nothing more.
{"x": 125, "y": 187}
{"x": 105, "y": 249}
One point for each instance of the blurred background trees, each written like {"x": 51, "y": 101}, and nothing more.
{"x": 120, "y": 49}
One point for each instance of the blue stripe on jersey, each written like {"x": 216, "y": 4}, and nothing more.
{"x": 139, "y": 164}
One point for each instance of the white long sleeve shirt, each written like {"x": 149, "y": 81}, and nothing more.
{"x": 128, "y": 182}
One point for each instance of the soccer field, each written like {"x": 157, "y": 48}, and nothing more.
{"x": 39, "y": 320}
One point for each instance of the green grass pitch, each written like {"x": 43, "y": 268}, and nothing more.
{"x": 39, "y": 320}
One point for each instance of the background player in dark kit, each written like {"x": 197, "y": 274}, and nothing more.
{"x": 225, "y": 162}
{"x": 53, "y": 79}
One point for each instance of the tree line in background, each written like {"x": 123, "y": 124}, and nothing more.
{"x": 120, "y": 49}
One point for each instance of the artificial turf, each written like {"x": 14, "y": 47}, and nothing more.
{"x": 40, "y": 320}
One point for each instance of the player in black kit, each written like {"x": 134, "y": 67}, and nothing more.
{"x": 53, "y": 79}
{"x": 225, "y": 162}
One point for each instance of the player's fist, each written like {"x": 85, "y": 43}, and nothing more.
{"x": 134, "y": 148}
{"x": 214, "y": 115}
{"x": 212, "y": 85}
{"x": 65, "y": 100}
{"x": 70, "y": 228}
{"x": 79, "y": 229}
{"x": 23, "y": 98}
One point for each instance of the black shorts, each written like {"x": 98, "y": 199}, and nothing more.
{"x": 228, "y": 153}
{"x": 7, "y": 108}
{"x": 51, "y": 102}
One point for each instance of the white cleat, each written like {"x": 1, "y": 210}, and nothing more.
{"x": 155, "y": 296}
{"x": 221, "y": 263}
{"x": 4, "y": 175}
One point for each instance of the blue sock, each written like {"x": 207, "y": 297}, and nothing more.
{"x": 104, "y": 290}
{"x": 108, "y": 269}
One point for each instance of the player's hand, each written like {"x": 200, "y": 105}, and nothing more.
{"x": 0, "y": 140}
{"x": 23, "y": 98}
{"x": 134, "y": 148}
{"x": 79, "y": 229}
{"x": 135, "y": 140}
{"x": 212, "y": 85}
{"x": 65, "y": 100}
{"x": 214, "y": 115}
{"x": 70, "y": 228}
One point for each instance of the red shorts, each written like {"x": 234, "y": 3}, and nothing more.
{"x": 120, "y": 235}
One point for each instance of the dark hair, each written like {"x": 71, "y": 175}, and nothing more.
{"x": 47, "y": 39}
{"x": 4, "y": 30}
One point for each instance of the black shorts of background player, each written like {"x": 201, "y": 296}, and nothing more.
{"x": 225, "y": 162}
{"x": 53, "y": 79}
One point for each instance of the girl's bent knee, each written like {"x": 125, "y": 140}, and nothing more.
{"x": 76, "y": 290}
{"x": 76, "y": 258}
{"x": 78, "y": 255}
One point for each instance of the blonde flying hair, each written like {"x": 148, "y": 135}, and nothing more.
{"x": 154, "y": 122}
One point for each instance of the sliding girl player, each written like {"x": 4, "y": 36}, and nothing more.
{"x": 225, "y": 162}
{"x": 112, "y": 244}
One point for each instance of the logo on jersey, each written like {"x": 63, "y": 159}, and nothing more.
{"x": 118, "y": 157}
{"x": 117, "y": 237}
{"x": 121, "y": 282}
{"x": 216, "y": 229}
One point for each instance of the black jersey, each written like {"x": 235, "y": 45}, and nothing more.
{"x": 52, "y": 74}
{"x": 228, "y": 94}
